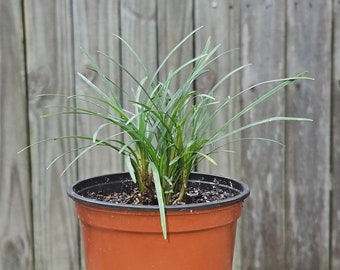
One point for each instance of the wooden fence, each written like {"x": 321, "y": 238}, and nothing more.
{"x": 292, "y": 218}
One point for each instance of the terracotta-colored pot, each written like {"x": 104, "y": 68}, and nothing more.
{"x": 200, "y": 236}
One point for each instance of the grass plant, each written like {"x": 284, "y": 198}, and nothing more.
{"x": 167, "y": 131}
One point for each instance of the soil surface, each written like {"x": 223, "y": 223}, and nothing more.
{"x": 194, "y": 194}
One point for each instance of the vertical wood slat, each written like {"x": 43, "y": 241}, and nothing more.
{"x": 50, "y": 71}
{"x": 335, "y": 237}
{"x": 174, "y": 22}
{"x": 15, "y": 211}
{"x": 308, "y": 145}
{"x": 138, "y": 28}
{"x": 221, "y": 21}
{"x": 94, "y": 26}
{"x": 263, "y": 45}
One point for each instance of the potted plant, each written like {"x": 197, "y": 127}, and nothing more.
{"x": 160, "y": 214}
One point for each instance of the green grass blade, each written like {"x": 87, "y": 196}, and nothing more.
{"x": 259, "y": 100}
{"x": 130, "y": 168}
{"x": 172, "y": 52}
{"x": 263, "y": 121}
{"x": 160, "y": 199}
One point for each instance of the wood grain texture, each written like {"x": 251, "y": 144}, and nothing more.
{"x": 15, "y": 210}
{"x": 308, "y": 144}
{"x": 335, "y": 237}
{"x": 221, "y": 21}
{"x": 139, "y": 29}
{"x": 263, "y": 45}
{"x": 94, "y": 26}
{"x": 51, "y": 71}
{"x": 174, "y": 22}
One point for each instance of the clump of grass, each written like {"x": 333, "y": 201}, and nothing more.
{"x": 168, "y": 131}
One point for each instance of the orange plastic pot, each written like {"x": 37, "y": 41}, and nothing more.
{"x": 200, "y": 236}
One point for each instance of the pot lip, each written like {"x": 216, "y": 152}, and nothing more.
{"x": 243, "y": 189}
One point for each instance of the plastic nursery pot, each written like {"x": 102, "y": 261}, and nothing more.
{"x": 200, "y": 236}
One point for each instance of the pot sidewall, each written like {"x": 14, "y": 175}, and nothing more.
{"x": 199, "y": 236}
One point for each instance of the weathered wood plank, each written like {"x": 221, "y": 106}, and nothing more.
{"x": 335, "y": 237}
{"x": 138, "y": 28}
{"x": 174, "y": 22}
{"x": 50, "y": 71}
{"x": 263, "y": 45}
{"x": 15, "y": 211}
{"x": 94, "y": 24}
{"x": 221, "y": 21}
{"x": 308, "y": 144}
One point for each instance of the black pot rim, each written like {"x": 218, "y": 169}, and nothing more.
{"x": 201, "y": 178}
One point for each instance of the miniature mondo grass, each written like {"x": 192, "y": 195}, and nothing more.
{"x": 168, "y": 131}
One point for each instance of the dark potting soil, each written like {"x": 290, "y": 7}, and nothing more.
{"x": 194, "y": 194}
